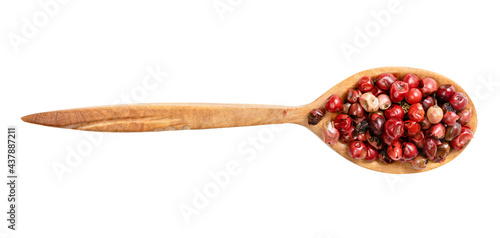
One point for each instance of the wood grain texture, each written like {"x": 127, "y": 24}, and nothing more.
{"x": 164, "y": 117}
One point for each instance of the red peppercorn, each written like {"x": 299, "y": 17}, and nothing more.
{"x": 410, "y": 151}
{"x": 362, "y": 136}
{"x": 365, "y": 84}
{"x": 356, "y": 111}
{"x": 448, "y": 107}
{"x": 428, "y": 102}
{"x": 342, "y": 122}
{"x": 349, "y": 135}
{"x": 453, "y": 131}
{"x": 377, "y": 123}
{"x": 425, "y": 124}
{"x": 445, "y": 92}
{"x": 384, "y": 81}
{"x": 450, "y": 118}
{"x": 315, "y": 116}
{"x": 429, "y": 86}
{"x": 414, "y": 96}
{"x": 346, "y": 107}
{"x": 387, "y": 139}
{"x": 382, "y": 156}
{"x": 330, "y": 133}
{"x": 418, "y": 139}
{"x": 443, "y": 150}
{"x": 437, "y": 131}
{"x": 419, "y": 163}
{"x": 395, "y": 151}
{"x": 416, "y": 112}
{"x": 430, "y": 148}
{"x": 372, "y": 153}
{"x": 395, "y": 111}
{"x": 358, "y": 150}
{"x": 394, "y": 128}
{"x": 333, "y": 104}
{"x": 459, "y": 101}
{"x": 412, "y": 128}
{"x": 398, "y": 91}
{"x": 412, "y": 80}
{"x": 377, "y": 91}
{"x": 374, "y": 141}
{"x": 465, "y": 116}
{"x": 353, "y": 95}
{"x": 462, "y": 140}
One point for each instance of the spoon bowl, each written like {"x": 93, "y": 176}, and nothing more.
{"x": 177, "y": 116}
{"x": 351, "y": 82}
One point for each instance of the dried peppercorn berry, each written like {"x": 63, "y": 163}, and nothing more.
{"x": 445, "y": 92}
{"x": 315, "y": 116}
{"x": 416, "y": 113}
{"x": 450, "y": 118}
{"x": 365, "y": 84}
{"x": 398, "y": 91}
{"x": 435, "y": 114}
{"x": 353, "y": 95}
{"x": 349, "y": 135}
{"x": 384, "y": 101}
{"x": 330, "y": 133}
{"x": 395, "y": 151}
{"x": 362, "y": 136}
{"x": 414, "y": 96}
{"x": 376, "y": 91}
{"x": 412, "y": 80}
{"x": 465, "y": 117}
{"x": 372, "y": 153}
{"x": 453, "y": 131}
{"x": 377, "y": 123}
{"x": 425, "y": 124}
{"x": 382, "y": 157}
{"x": 384, "y": 81}
{"x": 410, "y": 151}
{"x": 443, "y": 150}
{"x": 394, "y": 128}
{"x": 418, "y": 139}
{"x": 412, "y": 128}
{"x": 430, "y": 148}
{"x": 374, "y": 140}
{"x": 356, "y": 111}
{"x": 428, "y": 102}
{"x": 437, "y": 131}
{"x": 419, "y": 163}
{"x": 342, "y": 122}
{"x": 429, "y": 86}
{"x": 333, "y": 104}
{"x": 459, "y": 101}
{"x": 358, "y": 150}
{"x": 369, "y": 102}
{"x": 387, "y": 139}
{"x": 447, "y": 107}
{"x": 346, "y": 107}
{"x": 463, "y": 139}
{"x": 395, "y": 111}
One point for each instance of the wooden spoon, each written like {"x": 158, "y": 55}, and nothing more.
{"x": 165, "y": 117}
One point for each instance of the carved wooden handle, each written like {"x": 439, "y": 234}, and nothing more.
{"x": 160, "y": 117}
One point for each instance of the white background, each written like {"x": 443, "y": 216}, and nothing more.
{"x": 91, "y": 53}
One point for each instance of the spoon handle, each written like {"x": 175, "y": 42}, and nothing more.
{"x": 168, "y": 116}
